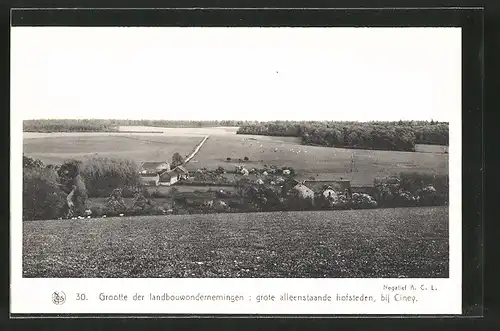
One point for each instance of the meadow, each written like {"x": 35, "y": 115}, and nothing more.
{"x": 310, "y": 162}
{"x": 320, "y": 163}
{"x": 56, "y": 148}
{"x": 406, "y": 242}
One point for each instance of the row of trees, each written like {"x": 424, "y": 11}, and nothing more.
{"x": 67, "y": 126}
{"x": 400, "y": 135}
{"x": 74, "y": 125}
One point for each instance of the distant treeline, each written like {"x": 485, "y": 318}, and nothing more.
{"x": 67, "y": 126}
{"x": 400, "y": 135}
{"x": 90, "y": 125}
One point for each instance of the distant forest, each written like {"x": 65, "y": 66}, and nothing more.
{"x": 93, "y": 125}
{"x": 400, "y": 135}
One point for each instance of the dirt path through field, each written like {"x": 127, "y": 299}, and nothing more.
{"x": 196, "y": 150}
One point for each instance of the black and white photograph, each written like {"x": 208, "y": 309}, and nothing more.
{"x": 235, "y": 152}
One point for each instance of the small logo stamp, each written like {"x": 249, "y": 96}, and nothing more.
{"x": 58, "y": 297}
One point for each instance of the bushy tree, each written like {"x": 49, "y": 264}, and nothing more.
{"x": 103, "y": 175}
{"x": 142, "y": 205}
{"x": 73, "y": 185}
{"x": 177, "y": 160}
{"x": 115, "y": 202}
{"x": 220, "y": 170}
{"x": 42, "y": 196}
{"x": 31, "y": 163}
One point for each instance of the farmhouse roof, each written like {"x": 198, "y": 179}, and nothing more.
{"x": 149, "y": 174}
{"x": 152, "y": 166}
{"x": 303, "y": 189}
{"x": 321, "y": 185}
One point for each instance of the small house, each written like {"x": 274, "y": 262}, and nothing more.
{"x": 149, "y": 179}
{"x": 171, "y": 177}
{"x": 338, "y": 186}
{"x": 150, "y": 172}
{"x": 303, "y": 191}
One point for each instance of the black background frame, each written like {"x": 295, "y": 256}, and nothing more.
{"x": 471, "y": 21}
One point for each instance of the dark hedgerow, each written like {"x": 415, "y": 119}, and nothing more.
{"x": 412, "y": 189}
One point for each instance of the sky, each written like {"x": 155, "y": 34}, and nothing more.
{"x": 357, "y": 74}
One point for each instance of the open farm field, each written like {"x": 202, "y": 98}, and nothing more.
{"x": 404, "y": 242}
{"x": 57, "y": 148}
{"x": 318, "y": 162}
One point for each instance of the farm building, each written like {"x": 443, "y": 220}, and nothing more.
{"x": 155, "y": 167}
{"x": 150, "y": 179}
{"x": 171, "y": 177}
{"x": 150, "y": 172}
{"x": 321, "y": 186}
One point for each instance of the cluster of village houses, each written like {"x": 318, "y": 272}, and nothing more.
{"x": 161, "y": 174}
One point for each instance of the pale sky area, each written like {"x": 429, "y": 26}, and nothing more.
{"x": 167, "y": 73}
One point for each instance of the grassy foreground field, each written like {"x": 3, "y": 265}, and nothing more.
{"x": 405, "y": 242}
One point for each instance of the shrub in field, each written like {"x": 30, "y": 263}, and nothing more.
{"x": 220, "y": 170}
{"x": 42, "y": 196}
{"x": 144, "y": 206}
{"x": 363, "y": 201}
{"x": 115, "y": 203}
{"x": 103, "y": 175}
{"x": 288, "y": 171}
{"x": 342, "y": 202}
{"x": 31, "y": 163}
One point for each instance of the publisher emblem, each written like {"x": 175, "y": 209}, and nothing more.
{"x": 58, "y": 297}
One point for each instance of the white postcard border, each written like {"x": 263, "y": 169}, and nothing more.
{"x": 29, "y": 295}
